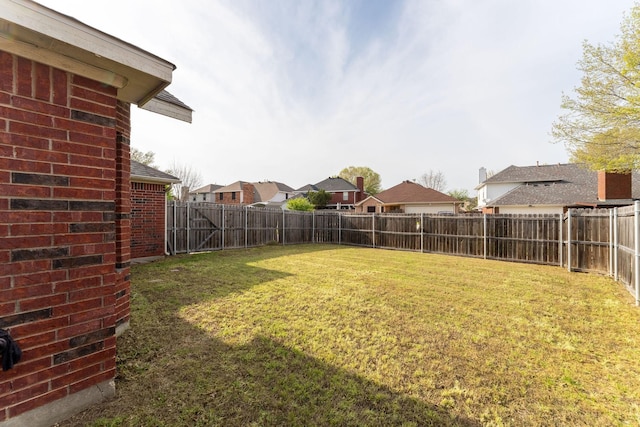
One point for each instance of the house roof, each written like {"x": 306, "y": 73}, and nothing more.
{"x": 262, "y": 191}
{"x": 307, "y": 188}
{"x": 168, "y": 105}
{"x": 144, "y": 173}
{"x": 38, "y": 33}
{"x": 566, "y": 184}
{"x": 334, "y": 185}
{"x": 539, "y": 173}
{"x": 210, "y": 188}
{"x": 236, "y": 186}
{"x": 408, "y": 192}
{"x": 265, "y": 191}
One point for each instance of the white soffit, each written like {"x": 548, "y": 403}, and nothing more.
{"x": 35, "y": 32}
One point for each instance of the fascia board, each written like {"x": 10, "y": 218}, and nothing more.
{"x": 168, "y": 109}
{"x": 151, "y": 180}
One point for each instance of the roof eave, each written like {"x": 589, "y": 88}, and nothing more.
{"x": 153, "y": 180}
{"x": 32, "y": 31}
{"x": 168, "y": 109}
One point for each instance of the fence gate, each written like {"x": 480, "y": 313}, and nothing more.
{"x": 193, "y": 227}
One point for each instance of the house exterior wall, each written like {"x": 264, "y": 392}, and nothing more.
{"x": 64, "y": 233}
{"x": 370, "y": 203}
{"x": 203, "y": 197}
{"x": 337, "y": 198}
{"x": 412, "y": 209}
{"x": 430, "y": 209}
{"x": 490, "y": 192}
{"x": 244, "y": 197}
{"x": 280, "y": 196}
{"x": 148, "y": 209}
{"x": 537, "y": 210}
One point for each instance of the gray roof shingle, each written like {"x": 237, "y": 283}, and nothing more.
{"x": 561, "y": 184}
{"x": 335, "y": 184}
{"x": 143, "y": 172}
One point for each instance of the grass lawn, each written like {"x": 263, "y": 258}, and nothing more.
{"x": 331, "y": 335}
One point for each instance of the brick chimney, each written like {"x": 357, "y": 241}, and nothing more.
{"x": 360, "y": 185}
{"x": 248, "y": 193}
{"x": 614, "y": 185}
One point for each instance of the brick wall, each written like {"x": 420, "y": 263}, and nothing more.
{"x": 244, "y": 197}
{"x": 148, "y": 203}
{"x": 64, "y": 231}
{"x": 338, "y": 197}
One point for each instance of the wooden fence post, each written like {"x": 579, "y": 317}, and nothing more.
{"x": 560, "y": 240}
{"x": 569, "y": 239}
{"x": 339, "y": 228}
{"x": 223, "y": 226}
{"x": 246, "y": 225}
{"x": 373, "y": 230}
{"x": 283, "y": 226}
{"x": 422, "y": 232}
{"x": 636, "y": 258}
{"x": 175, "y": 225}
{"x": 188, "y": 225}
{"x": 614, "y": 249}
{"x": 484, "y": 235}
{"x": 613, "y": 214}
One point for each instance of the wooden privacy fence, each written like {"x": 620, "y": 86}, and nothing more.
{"x": 594, "y": 240}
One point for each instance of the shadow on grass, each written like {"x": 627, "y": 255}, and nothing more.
{"x": 172, "y": 373}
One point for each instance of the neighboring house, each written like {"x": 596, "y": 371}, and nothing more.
{"x": 271, "y": 194}
{"x": 344, "y": 195}
{"x": 66, "y": 91}
{"x": 149, "y": 211}
{"x": 264, "y": 194}
{"x": 552, "y": 189}
{"x": 410, "y": 197}
{"x": 204, "y": 194}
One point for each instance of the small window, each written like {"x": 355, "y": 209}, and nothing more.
{"x": 233, "y": 195}
{"x": 345, "y": 195}
{"x": 371, "y": 209}
{"x": 204, "y": 197}
{"x": 221, "y": 196}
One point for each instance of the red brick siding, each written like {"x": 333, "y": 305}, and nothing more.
{"x": 148, "y": 203}
{"x": 64, "y": 234}
{"x": 338, "y": 198}
{"x": 244, "y": 197}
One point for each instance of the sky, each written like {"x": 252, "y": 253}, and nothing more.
{"x": 294, "y": 91}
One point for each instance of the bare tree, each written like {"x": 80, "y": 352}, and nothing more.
{"x": 191, "y": 179}
{"x": 433, "y": 179}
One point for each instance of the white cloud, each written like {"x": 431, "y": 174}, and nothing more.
{"x": 291, "y": 91}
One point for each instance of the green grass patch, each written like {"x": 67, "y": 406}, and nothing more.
{"x": 330, "y": 335}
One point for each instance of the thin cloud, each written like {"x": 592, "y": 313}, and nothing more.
{"x": 294, "y": 91}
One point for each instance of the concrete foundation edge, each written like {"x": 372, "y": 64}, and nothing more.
{"x": 120, "y": 329}
{"x": 61, "y": 409}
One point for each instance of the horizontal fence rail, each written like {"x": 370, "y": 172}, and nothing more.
{"x": 593, "y": 240}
